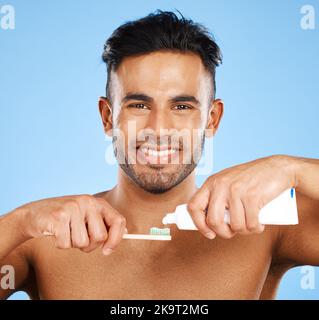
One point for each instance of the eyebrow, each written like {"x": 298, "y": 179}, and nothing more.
{"x": 146, "y": 98}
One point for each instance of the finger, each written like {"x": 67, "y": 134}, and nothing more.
{"x": 215, "y": 217}
{"x": 97, "y": 231}
{"x": 116, "y": 230}
{"x": 115, "y": 224}
{"x": 252, "y": 217}
{"x": 197, "y": 209}
{"x": 237, "y": 215}
{"x": 62, "y": 235}
{"x": 79, "y": 233}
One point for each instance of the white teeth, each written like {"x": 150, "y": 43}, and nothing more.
{"x": 155, "y": 153}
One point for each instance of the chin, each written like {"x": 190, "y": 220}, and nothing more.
{"x": 156, "y": 189}
{"x": 157, "y": 178}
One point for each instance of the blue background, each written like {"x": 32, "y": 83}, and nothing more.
{"x": 52, "y": 142}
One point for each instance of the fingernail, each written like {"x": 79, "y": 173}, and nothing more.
{"x": 107, "y": 251}
{"x": 210, "y": 235}
{"x": 125, "y": 231}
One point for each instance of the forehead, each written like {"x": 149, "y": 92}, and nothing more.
{"x": 162, "y": 73}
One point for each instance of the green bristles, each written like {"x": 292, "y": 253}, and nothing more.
{"x": 159, "y": 231}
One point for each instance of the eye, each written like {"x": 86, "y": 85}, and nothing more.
{"x": 182, "y": 107}
{"x": 138, "y": 106}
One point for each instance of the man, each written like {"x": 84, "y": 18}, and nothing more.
{"x": 161, "y": 75}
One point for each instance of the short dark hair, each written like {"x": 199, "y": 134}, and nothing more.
{"x": 161, "y": 30}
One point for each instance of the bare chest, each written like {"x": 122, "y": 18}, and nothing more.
{"x": 189, "y": 267}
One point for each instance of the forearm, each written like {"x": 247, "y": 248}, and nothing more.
{"x": 307, "y": 176}
{"x": 11, "y": 233}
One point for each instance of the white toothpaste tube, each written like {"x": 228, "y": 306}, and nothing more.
{"x": 280, "y": 211}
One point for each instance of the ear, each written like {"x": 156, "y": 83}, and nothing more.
{"x": 106, "y": 115}
{"x": 215, "y": 114}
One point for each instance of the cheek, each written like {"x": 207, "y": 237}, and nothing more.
{"x": 196, "y": 120}
{"x": 127, "y": 118}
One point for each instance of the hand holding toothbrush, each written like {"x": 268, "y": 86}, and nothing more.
{"x": 80, "y": 221}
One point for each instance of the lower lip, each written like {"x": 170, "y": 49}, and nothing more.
{"x": 144, "y": 158}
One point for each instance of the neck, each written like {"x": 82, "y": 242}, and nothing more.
{"x": 143, "y": 209}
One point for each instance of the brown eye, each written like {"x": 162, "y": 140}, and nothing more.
{"x": 138, "y": 106}
{"x": 182, "y": 107}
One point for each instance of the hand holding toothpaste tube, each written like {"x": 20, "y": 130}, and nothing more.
{"x": 242, "y": 190}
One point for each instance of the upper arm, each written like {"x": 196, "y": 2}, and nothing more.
{"x": 23, "y": 277}
{"x": 299, "y": 245}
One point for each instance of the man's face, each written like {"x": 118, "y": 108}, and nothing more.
{"x": 152, "y": 93}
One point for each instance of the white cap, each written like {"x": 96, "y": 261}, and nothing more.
{"x": 169, "y": 218}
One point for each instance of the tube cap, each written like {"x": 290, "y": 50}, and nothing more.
{"x": 169, "y": 218}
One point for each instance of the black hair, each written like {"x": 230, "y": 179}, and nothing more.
{"x": 161, "y": 30}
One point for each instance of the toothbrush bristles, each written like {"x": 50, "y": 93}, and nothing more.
{"x": 159, "y": 231}
{"x": 155, "y": 234}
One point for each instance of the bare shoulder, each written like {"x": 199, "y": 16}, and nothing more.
{"x": 102, "y": 194}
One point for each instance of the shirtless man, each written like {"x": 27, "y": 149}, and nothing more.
{"x": 161, "y": 75}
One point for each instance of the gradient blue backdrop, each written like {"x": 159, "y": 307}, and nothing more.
{"x": 52, "y": 141}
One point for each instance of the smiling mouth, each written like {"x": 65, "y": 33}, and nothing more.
{"x": 158, "y": 154}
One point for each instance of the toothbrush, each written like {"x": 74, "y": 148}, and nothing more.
{"x": 155, "y": 234}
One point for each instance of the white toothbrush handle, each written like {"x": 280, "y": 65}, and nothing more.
{"x": 146, "y": 236}
{"x": 134, "y": 236}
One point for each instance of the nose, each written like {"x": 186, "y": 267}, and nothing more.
{"x": 159, "y": 119}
